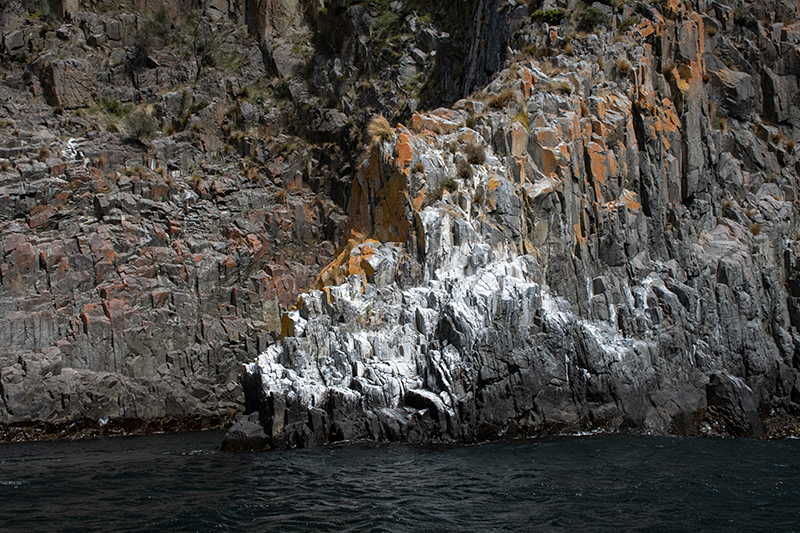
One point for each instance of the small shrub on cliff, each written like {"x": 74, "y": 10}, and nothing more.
{"x": 550, "y": 16}
{"x": 627, "y": 23}
{"x": 623, "y": 67}
{"x": 476, "y": 155}
{"x": 419, "y": 166}
{"x": 463, "y": 169}
{"x": 141, "y": 124}
{"x": 741, "y": 17}
{"x": 379, "y": 129}
{"x": 755, "y": 228}
{"x": 589, "y": 18}
{"x": 501, "y": 100}
{"x": 523, "y": 118}
{"x": 449, "y": 184}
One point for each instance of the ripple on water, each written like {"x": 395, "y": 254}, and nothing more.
{"x": 598, "y": 483}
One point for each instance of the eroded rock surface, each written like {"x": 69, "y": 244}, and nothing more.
{"x": 615, "y": 262}
{"x": 601, "y": 234}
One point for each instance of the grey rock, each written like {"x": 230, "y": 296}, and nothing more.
{"x": 735, "y": 403}
{"x": 14, "y": 40}
{"x": 245, "y": 434}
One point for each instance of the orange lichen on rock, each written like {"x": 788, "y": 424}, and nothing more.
{"x": 439, "y": 121}
{"x": 631, "y": 200}
{"x": 527, "y": 81}
{"x": 549, "y": 163}
{"x": 644, "y": 29}
{"x": 519, "y": 139}
{"x": 405, "y": 152}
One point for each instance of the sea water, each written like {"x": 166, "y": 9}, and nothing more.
{"x": 181, "y": 482}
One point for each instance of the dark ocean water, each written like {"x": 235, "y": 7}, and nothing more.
{"x": 592, "y": 483}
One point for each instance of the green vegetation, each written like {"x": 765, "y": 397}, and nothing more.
{"x": 522, "y": 118}
{"x": 113, "y": 107}
{"x": 589, "y": 18}
{"x": 627, "y": 23}
{"x": 743, "y": 18}
{"x": 550, "y": 16}
{"x": 385, "y": 24}
{"x": 141, "y": 124}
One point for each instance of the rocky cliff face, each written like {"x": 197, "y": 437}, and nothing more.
{"x": 601, "y": 235}
{"x": 603, "y": 239}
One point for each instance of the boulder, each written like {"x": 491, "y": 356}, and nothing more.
{"x": 246, "y": 434}
{"x": 69, "y": 83}
{"x": 734, "y": 402}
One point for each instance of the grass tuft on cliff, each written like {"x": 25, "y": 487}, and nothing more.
{"x": 379, "y": 129}
{"x": 141, "y": 124}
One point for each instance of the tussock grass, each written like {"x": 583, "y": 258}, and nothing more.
{"x": 379, "y": 129}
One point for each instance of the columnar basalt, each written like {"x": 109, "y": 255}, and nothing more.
{"x": 616, "y": 260}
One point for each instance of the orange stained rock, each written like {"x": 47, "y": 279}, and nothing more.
{"x": 586, "y": 128}
{"x": 569, "y": 126}
{"x": 440, "y": 121}
{"x": 256, "y": 248}
{"x": 228, "y": 262}
{"x": 671, "y": 120}
{"x": 631, "y": 200}
{"x": 597, "y": 161}
{"x": 160, "y": 232}
{"x": 404, "y": 152}
{"x": 519, "y": 139}
{"x": 417, "y": 201}
{"x": 546, "y": 137}
{"x": 701, "y": 31}
{"x": 527, "y": 81}
{"x": 601, "y": 107}
{"x": 116, "y": 309}
{"x": 287, "y": 326}
{"x": 98, "y": 182}
{"x": 647, "y": 99}
{"x": 417, "y": 122}
{"x": 644, "y": 29}
{"x": 549, "y": 162}
{"x": 579, "y": 234}
{"x": 599, "y": 128}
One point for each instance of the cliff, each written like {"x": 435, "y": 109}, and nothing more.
{"x": 597, "y": 231}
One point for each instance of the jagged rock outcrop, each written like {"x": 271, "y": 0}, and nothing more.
{"x": 607, "y": 222}
{"x": 620, "y": 260}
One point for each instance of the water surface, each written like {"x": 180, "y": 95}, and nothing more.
{"x": 180, "y": 482}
